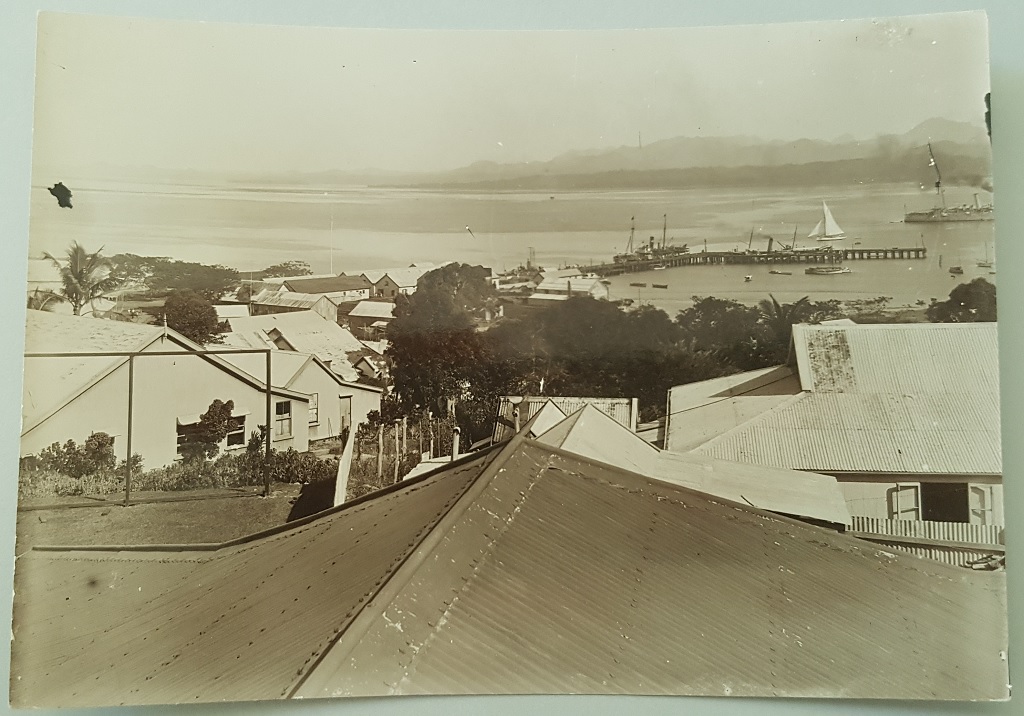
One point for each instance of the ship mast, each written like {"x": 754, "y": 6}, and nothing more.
{"x": 632, "y": 230}
{"x": 664, "y": 230}
{"x": 938, "y": 177}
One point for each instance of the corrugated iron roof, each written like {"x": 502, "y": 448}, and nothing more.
{"x": 50, "y": 382}
{"x": 622, "y": 410}
{"x": 578, "y": 284}
{"x": 333, "y": 284}
{"x": 955, "y": 434}
{"x": 243, "y": 622}
{"x": 594, "y": 435}
{"x": 705, "y": 409}
{"x": 231, "y": 310}
{"x": 289, "y": 299}
{"x": 308, "y": 332}
{"x": 898, "y": 358}
{"x": 373, "y": 309}
{"x": 567, "y": 576}
{"x": 524, "y": 570}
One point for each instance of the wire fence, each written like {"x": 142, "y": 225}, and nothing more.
{"x": 384, "y": 454}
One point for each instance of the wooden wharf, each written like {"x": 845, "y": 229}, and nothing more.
{"x": 718, "y": 258}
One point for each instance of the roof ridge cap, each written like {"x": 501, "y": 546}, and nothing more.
{"x": 392, "y": 584}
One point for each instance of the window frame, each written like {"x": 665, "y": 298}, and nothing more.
{"x": 236, "y": 429}
{"x": 282, "y": 418}
{"x": 314, "y": 408}
{"x": 896, "y": 508}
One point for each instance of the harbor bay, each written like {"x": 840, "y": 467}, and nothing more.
{"x": 352, "y": 229}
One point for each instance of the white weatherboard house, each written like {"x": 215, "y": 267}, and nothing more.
{"x": 72, "y": 397}
{"x": 905, "y": 417}
{"x": 334, "y": 404}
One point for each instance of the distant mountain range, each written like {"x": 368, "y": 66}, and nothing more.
{"x": 962, "y": 149}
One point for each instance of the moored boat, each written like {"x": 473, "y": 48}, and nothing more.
{"x": 827, "y": 270}
{"x": 944, "y": 213}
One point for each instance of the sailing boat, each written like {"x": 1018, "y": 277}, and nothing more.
{"x": 827, "y": 229}
{"x": 987, "y": 263}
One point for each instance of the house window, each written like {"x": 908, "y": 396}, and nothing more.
{"x": 904, "y": 502}
{"x": 183, "y": 431}
{"x": 236, "y": 431}
{"x": 314, "y": 410}
{"x": 981, "y": 505}
{"x": 283, "y": 419}
{"x": 945, "y": 502}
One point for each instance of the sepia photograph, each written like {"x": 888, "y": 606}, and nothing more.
{"x": 380, "y": 362}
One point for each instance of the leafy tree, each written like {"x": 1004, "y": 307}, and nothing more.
{"x": 211, "y": 282}
{"x": 202, "y": 440}
{"x": 134, "y": 270}
{"x": 732, "y": 331}
{"x": 193, "y": 316}
{"x": 85, "y": 276}
{"x": 94, "y": 456}
{"x": 159, "y": 275}
{"x": 970, "y": 302}
{"x": 435, "y": 347}
{"x": 286, "y": 268}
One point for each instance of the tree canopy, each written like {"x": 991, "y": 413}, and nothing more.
{"x": 159, "y": 276}
{"x": 970, "y": 302}
{"x": 285, "y": 268}
{"x": 193, "y": 316}
{"x": 436, "y": 352}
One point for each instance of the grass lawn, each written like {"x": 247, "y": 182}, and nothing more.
{"x": 192, "y": 522}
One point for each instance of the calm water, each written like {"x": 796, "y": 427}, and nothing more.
{"x": 249, "y": 228}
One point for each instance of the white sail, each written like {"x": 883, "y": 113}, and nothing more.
{"x": 827, "y": 229}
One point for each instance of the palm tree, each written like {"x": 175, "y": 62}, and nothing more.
{"x": 86, "y": 276}
{"x": 780, "y": 317}
{"x": 40, "y": 300}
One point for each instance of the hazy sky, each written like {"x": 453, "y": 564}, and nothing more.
{"x": 220, "y": 97}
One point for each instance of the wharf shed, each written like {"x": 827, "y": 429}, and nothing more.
{"x": 72, "y": 397}
{"x": 338, "y": 288}
{"x": 462, "y": 581}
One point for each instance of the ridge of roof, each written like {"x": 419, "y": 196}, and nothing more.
{"x": 397, "y": 579}
{"x": 393, "y": 652}
{"x": 759, "y": 418}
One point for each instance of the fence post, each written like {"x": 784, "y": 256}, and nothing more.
{"x": 380, "y": 451}
{"x": 455, "y": 443}
{"x": 398, "y": 453}
{"x": 128, "y": 461}
{"x": 405, "y": 434}
{"x": 430, "y": 425}
{"x": 270, "y": 434}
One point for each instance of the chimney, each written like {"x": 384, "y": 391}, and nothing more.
{"x": 455, "y": 443}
